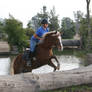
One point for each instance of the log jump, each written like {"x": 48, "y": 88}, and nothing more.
{"x": 71, "y": 43}
{"x": 29, "y": 82}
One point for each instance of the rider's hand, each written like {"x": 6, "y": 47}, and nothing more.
{"x": 40, "y": 38}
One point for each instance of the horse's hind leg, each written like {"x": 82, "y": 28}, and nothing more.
{"x": 52, "y": 65}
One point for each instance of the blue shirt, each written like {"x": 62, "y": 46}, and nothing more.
{"x": 40, "y": 32}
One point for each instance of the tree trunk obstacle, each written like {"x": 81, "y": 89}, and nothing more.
{"x": 72, "y": 43}
{"x": 29, "y": 82}
{"x": 18, "y": 83}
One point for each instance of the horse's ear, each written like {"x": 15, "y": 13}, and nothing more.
{"x": 55, "y": 33}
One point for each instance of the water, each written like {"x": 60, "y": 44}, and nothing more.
{"x": 66, "y": 63}
{"x": 5, "y": 66}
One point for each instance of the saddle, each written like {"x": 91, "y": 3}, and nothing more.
{"x": 27, "y": 53}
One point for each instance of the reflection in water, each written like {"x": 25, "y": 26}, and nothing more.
{"x": 4, "y": 66}
{"x": 66, "y": 63}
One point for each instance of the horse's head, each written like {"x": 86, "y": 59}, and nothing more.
{"x": 54, "y": 39}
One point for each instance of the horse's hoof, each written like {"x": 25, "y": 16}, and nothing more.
{"x": 54, "y": 70}
{"x": 58, "y": 68}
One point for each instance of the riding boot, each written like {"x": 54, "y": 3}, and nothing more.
{"x": 30, "y": 58}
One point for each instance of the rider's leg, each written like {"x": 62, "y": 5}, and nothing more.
{"x": 31, "y": 54}
{"x": 28, "y": 58}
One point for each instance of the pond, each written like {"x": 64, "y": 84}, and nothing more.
{"x": 5, "y": 65}
{"x": 67, "y": 62}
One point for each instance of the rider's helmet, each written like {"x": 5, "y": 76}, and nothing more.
{"x": 44, "y": 21}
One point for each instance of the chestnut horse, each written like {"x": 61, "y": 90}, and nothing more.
{"x": 44, "y": 54}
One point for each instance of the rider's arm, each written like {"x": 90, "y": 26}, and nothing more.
{"x": 35, "y": 35}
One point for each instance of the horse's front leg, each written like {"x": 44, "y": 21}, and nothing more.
{"x": 58, "y": 64}
{"x": 52, "y": 65}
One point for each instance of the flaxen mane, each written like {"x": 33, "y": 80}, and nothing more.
{"x": 46, "y": 34}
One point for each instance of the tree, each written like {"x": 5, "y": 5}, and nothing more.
{"x": 83, "y": 32}
{"x": 29, "y": 32}
{"x": 3, "y": 36}
{"x": 53, "y": 20}
{"x": 78, "y": 16}
{"x": 88, "y": 13}
{"x": 16, "y": 33}
{"x": 1, "y": 29}
{"x": 35, "y": 22}
{"x": 89, "y": 45}
{"x": 67, "y": 28}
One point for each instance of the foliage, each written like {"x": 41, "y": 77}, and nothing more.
{"x": 16, "y": 33}
{"x": 3, "y": 36}
{"x": 83, "y": 29}
{"x": 35, "y": 22}
{"x": 29, "y": 32}
{"x": 83, "y": 32}
{"x": 1, "y": 27}
{"x": 68, "y": 28}
{"x": 89, "y": 37}
{"x": 78, "y": 16}
{"x": 53, "y": 20}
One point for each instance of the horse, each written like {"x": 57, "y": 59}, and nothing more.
{"x": 44, "y": 54}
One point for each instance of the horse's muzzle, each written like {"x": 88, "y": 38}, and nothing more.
{"x": 60, "y": 48}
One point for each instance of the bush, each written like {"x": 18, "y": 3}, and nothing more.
{"x": 16, "y": 33}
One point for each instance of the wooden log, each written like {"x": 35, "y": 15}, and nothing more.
{"x": 18, "y": 83}
{"x": 71, "y": 42}
{"x": 57, "y": 80}
{"x": 29, "y": 82}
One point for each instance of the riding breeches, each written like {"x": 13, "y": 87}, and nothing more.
{"x": 32, "y": 45}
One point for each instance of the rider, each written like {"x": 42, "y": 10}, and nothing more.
{"x": 36, "y": 38}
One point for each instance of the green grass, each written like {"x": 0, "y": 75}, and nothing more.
{"x": 82, "y": 88}
{"x": 64, "y": 52}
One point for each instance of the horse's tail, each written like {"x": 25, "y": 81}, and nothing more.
{"x": 12, "y": 70}
{"x": 16, "y": 64}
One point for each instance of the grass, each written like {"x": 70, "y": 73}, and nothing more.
{"x": 64, "y": 52}
{"x": 81, "y": 88}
